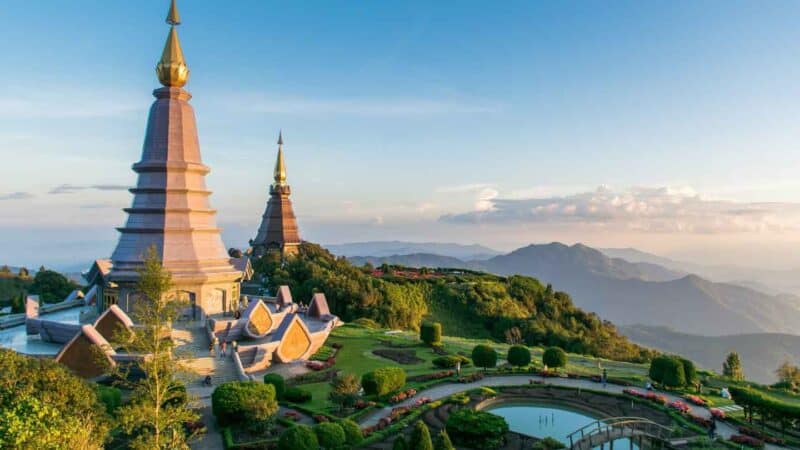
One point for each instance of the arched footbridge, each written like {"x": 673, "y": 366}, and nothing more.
{"x": 604, "y": 432}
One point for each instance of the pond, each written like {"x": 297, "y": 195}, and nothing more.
{"x": 546, "y": 421}
{"x": 16, "y": 339}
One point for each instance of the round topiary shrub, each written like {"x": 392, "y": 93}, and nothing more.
{"x": 431, "y": 333}
{"x": 277, "y": 381}
{"x": 297, "y": 395}
{"x": 352, "y": 432}
{"x": 519, "y": 356}
{"x": 476, "y": 429}
{"x": 330, "y": 435}
{"x": 299, "y": 437}
{"x": 247, "y": 401}
{"x": 383, "y": 381}
{"x": 554, "y": 357}
{"x": 484, "y": 356}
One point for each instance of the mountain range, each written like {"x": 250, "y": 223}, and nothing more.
{"x": 760, "y": 353}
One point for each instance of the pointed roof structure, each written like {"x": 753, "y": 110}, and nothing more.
{"x": 278, "y": 228}
{"x": 318, "y": 308}
{"x": 171, "y": 209}
{"x": 78, "y": 353}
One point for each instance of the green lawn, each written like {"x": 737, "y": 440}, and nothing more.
{"x": 358, "y": 342}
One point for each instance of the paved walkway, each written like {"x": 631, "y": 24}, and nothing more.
{"x": 724, "y": 429}
{"x": 192, "y": 344}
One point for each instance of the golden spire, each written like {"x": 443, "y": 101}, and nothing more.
{"x": 171, "y": 69}
{"x": 280, "y": 166}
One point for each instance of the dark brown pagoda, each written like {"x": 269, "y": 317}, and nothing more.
{"x": 278, "y": 228}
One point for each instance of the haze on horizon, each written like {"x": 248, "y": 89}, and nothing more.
{"x": 669, "y": 127}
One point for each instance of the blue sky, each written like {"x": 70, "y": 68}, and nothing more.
{"x": 669, "y": 126}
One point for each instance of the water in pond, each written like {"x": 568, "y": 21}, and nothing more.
{"x": 546, "y": 421}
{"x": 15, "y": 338}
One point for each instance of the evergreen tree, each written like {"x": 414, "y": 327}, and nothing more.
{"x": 443, "y": 441}
{"x": 420, "y": 437}
{"x": 156, "y": 414}
{"x": 732, "y": 367}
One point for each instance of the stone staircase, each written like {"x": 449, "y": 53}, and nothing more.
{"x": 192, "y": 344}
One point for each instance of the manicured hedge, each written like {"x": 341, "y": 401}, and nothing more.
{"x": 431, "y": 333}
{"x": 352, "y": 432}
{"x": 277, "y": 381}
{"x": 669, "y": 370}
{"x": 297, "y": 395}
{"x": 248, "y": 401}
{"x": 300, "y": 437}
{"x": 383, "y": 381}
{"x": 330, "y": 435}
{"x": 476, "y": 429}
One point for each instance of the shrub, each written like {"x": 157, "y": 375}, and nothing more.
{"x": 277, "y": 381}
{"x": 421, "y": 437}
{"x": 689, "y": 371}
{"x": 330, "y": 435}
{"x": 300, "y": 437}
{"x": 297, "y": 395}
{"x": 476, "y": 429}
{"x": 431, "y": 333}
{"x": 399, "y": 443}
{"x": 450, "y": 361}
{"x": 443, "y": 442}
{"x": 110, "y": 396}
{"x": 484, "y": 356}
{"x": 383, "y": 381}
{"x": 352, "y": 432}
{"x": 247, "y": 401}
{"x": 366, "y": 323}
{"x": 668, "y": 370}
{"x": 548, "y": 443}
{"x": 519, "y": 355}
{"x": 554, "y": 357}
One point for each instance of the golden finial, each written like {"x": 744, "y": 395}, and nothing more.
{"x": 280, "y": 166}
{"x": 172, "y": 70}
{"x": 173, "y": 18}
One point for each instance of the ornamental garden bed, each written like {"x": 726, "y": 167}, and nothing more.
{"x": 400, "y": 356}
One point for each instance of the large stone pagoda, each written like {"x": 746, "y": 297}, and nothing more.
{"x": 171, "y": 210}
{"x": 278, "y": 228}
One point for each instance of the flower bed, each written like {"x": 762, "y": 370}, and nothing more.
{"x": 477, "y": 376}
{"x": 400, "y": 356}
{"x": 321, "y": 365}
{"x": 747, "y": 440}
{"x": 652, "y": 396}
{"x": 696, "y": 400}
{"x": 433, "y": 376}
{"x": 400, "y": 396}
{"x": 747, "y": 431}
{"x": 717, "y": 413}
{"x": 702, "y": 421}
{"x": 679, "y": 406}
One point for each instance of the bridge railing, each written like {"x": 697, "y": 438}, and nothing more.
{"x": 609, "y": 427}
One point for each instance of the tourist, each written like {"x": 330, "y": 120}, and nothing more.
{"x": 211, "y": 348}
{"x": 605, "y": 378}
{"x": 712, "y": 428}
{"x": 234, "y": 347}
{"x": 207, "y": 380}
{"x": 237, "y": 315}
{"x": 222, "y": 349}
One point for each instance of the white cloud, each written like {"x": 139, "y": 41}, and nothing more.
{"x": 65, "y": 103}
{"x": 16, "y": 196}
{"x": 659, "y": 209}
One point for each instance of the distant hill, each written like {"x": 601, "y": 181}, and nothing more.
{"x": 392, "y": 248}
{"x": 761, "y": 353}
{"x": 412, "y": 260}
{"x": 638, "y": 293}
{"x": 765, "y": 280}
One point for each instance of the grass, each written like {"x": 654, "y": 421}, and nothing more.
{"x": 356, "y": 357}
